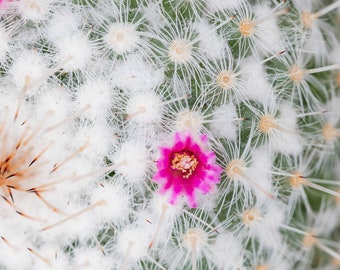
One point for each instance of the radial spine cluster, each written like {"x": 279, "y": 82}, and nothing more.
{"x": 170, "y": 134}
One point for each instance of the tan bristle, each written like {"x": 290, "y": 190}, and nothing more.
{"x": 22, "y": 95}
{"x": 8, "y": 243}
{"x": 41, "y": 257}
{"x": 125, "y": 263}
{"x": 70, "y": 157}
{"x": 69, "y": 119}
{"x": 77, "y": 214}
{"x": 49, "y": 205}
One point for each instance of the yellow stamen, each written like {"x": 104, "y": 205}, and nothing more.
{"x": 185, "y": 163}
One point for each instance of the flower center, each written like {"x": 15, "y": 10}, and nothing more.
{"x": 338, "y": 75}
{"x": 246, "y": 27}
{"x": 296, "y": 74}
{"x": 309, "y": 240}
{"x": 250, "y": 216}
{"x": 225, "y": 79}
{"x": 185, "y": 163}
{"x": 308, "y": 19}
{"x": 180, "y": 51}
{"x": 122, "y": 37}
{"x": 262, "y": 267}
{"x": 267, "y": 123}
{"x": 329, "y": 133}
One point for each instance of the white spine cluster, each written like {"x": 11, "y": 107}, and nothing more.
{"x": 89, "y": 92}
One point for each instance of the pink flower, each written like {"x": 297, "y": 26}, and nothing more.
{"x": 4, "y": 2}
{"x": 185, "y": 167}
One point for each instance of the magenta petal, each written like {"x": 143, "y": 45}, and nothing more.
{"x": 205, "y": 188}
{"x": 204, "y": 138}
{"x": 173, "y": 199}
{"x": 192, "y": 202}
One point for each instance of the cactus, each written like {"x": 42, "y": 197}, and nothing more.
{"x": 170, "y": 134}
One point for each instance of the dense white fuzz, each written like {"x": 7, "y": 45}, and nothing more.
{"x": 262, "y": 221}
{"x": 121, "y": 30}
{"x": 64, "y": 22}
{"x": 180, "y": 51}
{"x": 217, "y": 5}
{"x": 210, "y": 42}
{"x": 73, "y": 52}
{"x": 277, "y": 126}
{"x": 116, "y": 207}
{"x": 49, "y": 256}
{"x": 224, "y": 122}
{"x": 193, "y": 236}
{"x": 260, "y": 168}
{"x": 89, "y": 258}
{"x": 226, "y": 83}
{"x": 318, "y": 31}
{"x": 77, "y": 223}
{"x": 144, "y": 108}
{"x": 122, "y": 37}
{"x": 267, "y": 36}
{"x": 326, "y": 134}
{"x": 161, "y": 201}
{"x": 132, "y": 161}
{"x": 189, "y": 121}
{"x": 334, "y": 56}
{"x": 96, "y": 140}
{"x": 194, "y": 239}
{"x": 99, "y": 94}
{"x": 256, "y": 85}
{"x": 132, "y": 243}
{"x": 29, "y": 70}
{"x": 288, "y": 140}
{"x": 55, "y": 101}
{"x": 34, "y": 10}
{"x": 161, "y": 216}
{"x": 4, "y": 43}
{"x": 228, "y": 251}
{"x": 225, "y": 79}
{"x": 15, "y": 254}
{"x": 152, "y": 14}
{"x": 265, "y": 260}
{"x": 135, "y": 74}
{"x": 331, "y": 115}
{"x": 300, "y": 80}
{"x": 242, "y": 169}
{"x": 91, "y": 93}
